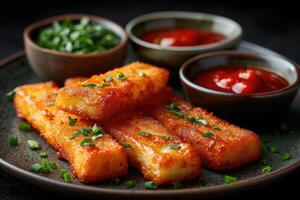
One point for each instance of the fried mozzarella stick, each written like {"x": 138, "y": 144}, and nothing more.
{"x": 93, "y": 155}
{"x": 116, "y": 91}
{"x": 159, "y": 155}
{"x": 222, "y": 145}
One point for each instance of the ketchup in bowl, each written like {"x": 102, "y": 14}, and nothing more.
{"x": 181, "y": 37}
{"x": 240, "y": 80}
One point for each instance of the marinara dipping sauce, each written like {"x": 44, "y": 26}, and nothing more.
{"x": 240, "y": 80}
{"x": 181, "y": 37}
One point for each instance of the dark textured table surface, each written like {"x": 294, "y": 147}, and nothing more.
{"x": 274, "y": 26}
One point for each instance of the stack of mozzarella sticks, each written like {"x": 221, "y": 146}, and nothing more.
{"x": 130, "y": 115}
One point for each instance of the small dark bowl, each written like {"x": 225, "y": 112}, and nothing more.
{"x": 173, "y": 57}
{"x": 236, "y": 106}
{"x": 55, "y": 65}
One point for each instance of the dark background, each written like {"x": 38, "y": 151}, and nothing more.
{"x": 270, "y": 24}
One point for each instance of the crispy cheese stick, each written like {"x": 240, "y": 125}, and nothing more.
{"x": 105, "y": 160}
{"x": 116, "y": 91}
{"x": 159, "y": 155}
{"x": 222, "y": 145}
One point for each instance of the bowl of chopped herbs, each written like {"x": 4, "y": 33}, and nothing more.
{"x": 74, "y": 45}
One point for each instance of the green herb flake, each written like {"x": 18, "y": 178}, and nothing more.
{"x": 274, "y": 149}
{"x": 92, "y": 85}
{"x": 207, "y": 134}
{"x": 43, "y": 154}
{"x": 286, "y": 156}
{"x": 174, "y": 146}
{"x": 130, "y": 184}
{"x": 72, "y": 121}
{"x": 121, "y": 77}
{"x": 229, "y": 179}
{"x": 13, "y": 140}
{"x": 45, "y": 168}
{"x": 25, "y": 127}
{"x": 115, "y": 181}
{"x": 191, "y": 118}
{"x": 87, "y": 142}
{"x": 266, "y": 169}
{"x": 33, "y": 144}
{"x": 108, "y": 79}
{"x": 202, "y": 121}
{"x": 52, "y": 165}
{"x": 142, "y": 74}
{"x": 144, "y": 133}
{"x": 176, "y": 185}
{"x": 126, "y": 145}
{"x": 65, "y": 176}
{"x": 217, "y": 128}
{"x": 166, "y": 137}
{"x": 36, "y": 167}
{"x": 150, "y": 185}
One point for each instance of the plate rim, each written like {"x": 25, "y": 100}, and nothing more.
{"x": 45, "y": 182}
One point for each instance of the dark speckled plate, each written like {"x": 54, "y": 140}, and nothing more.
{"x": 17, "y": 160}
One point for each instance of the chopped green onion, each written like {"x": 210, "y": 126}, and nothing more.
{"x": 33, "y": 144}
{"x": 191, "y": 118}
{"x": 274, "y": 149}
{"x": 11, "y": 95}
{"x": 92, "y": 85}
{"x": 36, "y": 167}
{"x": 115, "y": 181}
{"x": 150, "y": 185}
{"x": 108, "y": 79}
{"x": 174, "y": 146}
{"x": 87, "y": 142}
{"x": 13, "y": 140}
{"x": 144, "y": 133}
{"x": 202, "y": 121}
{"x": 65, "y": 176}
{"x": 286, "y": 156}
{"x": 43, "y": 155}
{"x": 126, "y": 145}
{"x": 121, "y": 76}
{"x": 130, "y": 184}
{"x": 24, "y": 126}
{"x": 44, "y": 166}
{"x": 179, "y": 114}
{"x": 72, "y": 121}
{"x": 142, "y": 74}
{"x": 207, "y": 134}
{"x": 266, "y": 169}
{"x": 216, "y": 128}
{"x": 166, "y": 137}
{"x": 52, "y": 165}
{"x": 176, "y": 185}
{"x": 229, "y": 179}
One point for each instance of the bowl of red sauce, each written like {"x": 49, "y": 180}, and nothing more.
{"x": 240, "y": 85}
{"x": 170, "y": 38}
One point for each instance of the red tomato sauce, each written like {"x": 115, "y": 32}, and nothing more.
{"x": 181, "y": 37}
{"x": 240, "y": 80}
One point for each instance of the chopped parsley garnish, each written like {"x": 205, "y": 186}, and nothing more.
{"x": 229, "y": 179}
{"x": 274, "y": 149}
{"x": 130, "y": 184}
{"x": 174, "y": 146}
{"x": 87, "y": 142}
{"x": 166, "y": 137}
{"x": 266, "y": 169}
{"x": 115, "y": 181}
{"x": 13, "y": 140}
{"x": 72, "y": 121}
{"x": 144, "y": 133}
{"x": 207, "y": 134}
{"x": 126, "y": 145}
{"x": 142, "y": 74}
{"x": 108, "y": 79}
{"x": 176, "y": 185}
{"x": 24, "y": 126}
{"x": 43, "y": 154}
{"x": 33, "y": 144}
{"x": 121, "y": 77}
{"x": 92, "y": 85}
{"x": 286, "y": 156}
{"x": 150, "y": 185}
{"x": 65, "y": 176}
{"x": 216, "y": 128}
